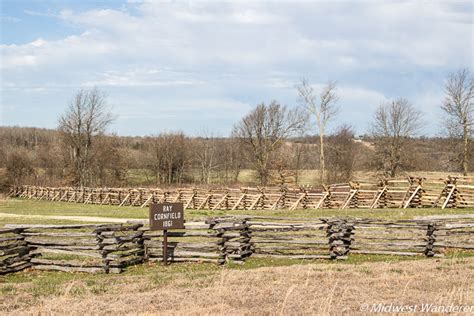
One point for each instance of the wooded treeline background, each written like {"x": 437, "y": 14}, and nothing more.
{"x": 38, "y": 156}
{"x": 273, "y": 144}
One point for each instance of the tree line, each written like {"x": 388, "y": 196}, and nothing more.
{"x": 277, "y": 142}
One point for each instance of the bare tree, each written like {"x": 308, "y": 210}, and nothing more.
{"x": 394, "y": 124}
{"x": 109, "y": 161}
{"x": 230, "y": 159}
{"x": 86, "y": 117}
{"x": 264, "y": 129}
{"x": 323, "y": 109}
{"x": 206, "y": 150}
{"x": 341, "y": 155}
{"x": 459, "y": 106}
{"x": 19, "y": 166}
{"x": 298, "y": 155}
{"x": 168, "y": 157}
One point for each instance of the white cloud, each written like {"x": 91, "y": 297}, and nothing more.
{"x": 361, "y": 95}
{"x": 268, "y": 33}
{"x": 18, "y": 60}
{"x": 248, "y": 52}
{"x": 141, "y": 77}
{"x": 8, "y": 19}
{"x": 251, "y": 16}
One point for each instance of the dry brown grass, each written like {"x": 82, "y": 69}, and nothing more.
{"x": 299, "y": 289}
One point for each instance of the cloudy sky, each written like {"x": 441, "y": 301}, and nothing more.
{"x": 200, "y": 66}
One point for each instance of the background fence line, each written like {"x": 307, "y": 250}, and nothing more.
{"x": 451, "y": 192}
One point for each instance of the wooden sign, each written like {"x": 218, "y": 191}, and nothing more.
{"x": 164, "y": 216}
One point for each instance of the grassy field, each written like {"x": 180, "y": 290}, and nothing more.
{"x": 46, "y": 208}
{"x": 286, "y": 287}
{"x": 274, "y": 286}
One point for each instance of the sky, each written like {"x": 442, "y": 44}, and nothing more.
{"x": 200, "y": 66}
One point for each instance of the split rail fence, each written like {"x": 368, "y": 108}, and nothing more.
{"x": 76, "y": 248}
{"x": 412, "y": 192}
{"x": 110, "y": 248}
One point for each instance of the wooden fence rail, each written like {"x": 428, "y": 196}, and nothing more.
{"x": 109, "y": 248}
{"x": 214, "y": 240}
{"x": 14, "y": 251}
{"x": 406, "y": 238}
{"x": 81, "y": 248}
{"x": 310, "y": 239}
{"x": 452, "y": 192}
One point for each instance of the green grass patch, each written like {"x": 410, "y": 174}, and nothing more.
{"x": 38, "y": 221}
{"x": 34, "y": 207}
{"x": 8, "y": 289}
{"x": 47, "y": 208}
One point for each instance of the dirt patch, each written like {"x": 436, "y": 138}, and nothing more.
{"x": 299, "y": 289}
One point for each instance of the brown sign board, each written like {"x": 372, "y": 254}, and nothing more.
{"x": 164, "y": 216}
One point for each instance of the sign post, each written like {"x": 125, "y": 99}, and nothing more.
{"x": 165, "y": 247}
{"x": 164, "y": 216}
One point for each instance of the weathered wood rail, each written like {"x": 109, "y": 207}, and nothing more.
{"x": 403, "y": 237}
{"x": 79, "y": 248}
{"x": 411, "y": 192}
{"x": 14, "y": 251}
{"x": 309, "y": 239}
{"x": 110, "y": 248}
{"x": 214, "y": 240}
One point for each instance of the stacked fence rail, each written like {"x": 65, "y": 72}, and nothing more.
{"x": 14, "y": 251}
{"x": 81, "y": 248}
{"x": 110, "y": 248}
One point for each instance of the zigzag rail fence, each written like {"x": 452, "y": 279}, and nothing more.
{"x": 110, "y": 248}
{"x": 411, "y": 192}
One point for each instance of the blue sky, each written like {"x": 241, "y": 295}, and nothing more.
{"x": 201, "y": 66}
